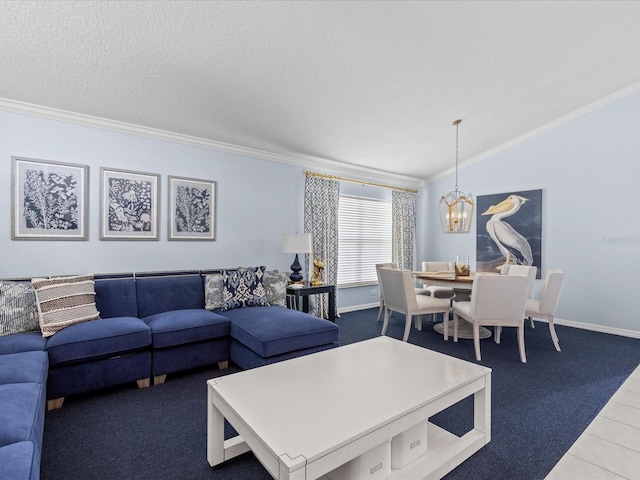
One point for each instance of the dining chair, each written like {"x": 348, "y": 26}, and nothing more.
{"x": 400, "y": 296}
{"x": 394, "y": 265}
{"x": 378, "y": 267}
{"x": 523, "y": 271}
{"x": 545, "y": 307}
{"x": 434, "y": 290}
{"x": 496, "y": 300}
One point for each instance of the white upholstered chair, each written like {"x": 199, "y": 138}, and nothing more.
{"x": 378, "y": 267}
{"x": 434, "y": 290}
{"x": 545, "y": 307}
{"x": 400, "y": 296}
{"x": 523, "y": 271}
{"x": 393, "y": 265}
{"x": 496, "y": 300}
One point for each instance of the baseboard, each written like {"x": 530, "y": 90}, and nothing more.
{"x": 623, "y": 332}
{"x": 355, "y": 308}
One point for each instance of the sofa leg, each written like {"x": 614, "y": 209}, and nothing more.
{"x": 144, "y": 383}
{"x": 223, "y": 365}
{"x": 159, "y": 379}
{"x": 55, "y": 403}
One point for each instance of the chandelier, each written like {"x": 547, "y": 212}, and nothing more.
{"x": 456, "y": 207}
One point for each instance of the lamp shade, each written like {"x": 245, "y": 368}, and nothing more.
{"x": 296, "y": 243}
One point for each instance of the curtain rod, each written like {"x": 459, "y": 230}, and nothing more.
{"x": 371, "y": 184}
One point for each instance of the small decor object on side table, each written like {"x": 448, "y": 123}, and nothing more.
{"x": 316, "y": 278}
{"x": 462, "y": 266}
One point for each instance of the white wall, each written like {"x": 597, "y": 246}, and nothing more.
{"x": 257, "y": 201}
{"x": 588, "y": 172}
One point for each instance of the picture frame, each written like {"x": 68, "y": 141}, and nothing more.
{"x": 192, "y": 206}
{"x": 520, "y": 238}
{"x": 129, "y": 205}
{"x": 49, "y": 200}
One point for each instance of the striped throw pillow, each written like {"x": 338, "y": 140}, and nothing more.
{"x": 64, "y": 301}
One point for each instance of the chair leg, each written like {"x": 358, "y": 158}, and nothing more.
{"x": 445, "y": 324}
{"x": 554, "y": 337}
{"x": 455, "y": 327}
{"x": 533, "y": 325}
{"x": 386, "y": 321}
{"x": 476, "y": 340}
{"x": 523, "y": 355}
{"x": 419, "y": 322}
{"x": 496, "y": 335}
{"x": 380, "y": 310}
{"x": 407, "y": 328}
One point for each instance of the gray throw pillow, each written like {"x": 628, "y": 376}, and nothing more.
{"x": 213, "y": 291}
{"x": 275, "y": 283}
{"x": 18, "y": 309}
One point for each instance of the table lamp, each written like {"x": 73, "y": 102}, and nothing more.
{"x": 296, "y": 243}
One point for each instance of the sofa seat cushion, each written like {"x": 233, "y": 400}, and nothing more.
{"x": 20, "y": 461}
{"x": 98, "y": 339}
{"x": 21, "y": 413}
{"x": 24, "y": 367}
{"x": 180, "y": 327}
{"x": 270, "y": 331}
{"x": 22, "y": 342}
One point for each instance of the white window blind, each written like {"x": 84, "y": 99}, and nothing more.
{"x": 364, "y": 237}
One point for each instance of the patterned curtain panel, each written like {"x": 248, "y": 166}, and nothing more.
{"x": 404, "y": 212}
{"x": 321, "y": 198}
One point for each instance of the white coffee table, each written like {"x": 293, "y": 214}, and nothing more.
{"x": 303, "y": 418}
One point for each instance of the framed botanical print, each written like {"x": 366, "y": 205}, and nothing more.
{"x": 191, "y": 209}
{"x": 49, "y": 200}
{"x": 129, "y": 208}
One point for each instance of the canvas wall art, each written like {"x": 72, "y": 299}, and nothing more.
{"x": 49, "y": 200}
{"x": 129, "y": 207}
{"x": 191, "y": 209}
{"x": 509, "y": 227}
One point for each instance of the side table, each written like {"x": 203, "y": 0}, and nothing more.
{"x": 302, "y": 293}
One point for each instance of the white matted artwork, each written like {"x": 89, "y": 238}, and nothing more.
{"x": 129, "y": 208}
{"x": 192, "y": 205}
{"x": 49, "y": 200}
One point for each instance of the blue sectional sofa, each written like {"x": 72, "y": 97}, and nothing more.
{"x": 150, "y": 325}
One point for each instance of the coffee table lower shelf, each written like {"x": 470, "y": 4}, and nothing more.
{"x": 445, "y": 451}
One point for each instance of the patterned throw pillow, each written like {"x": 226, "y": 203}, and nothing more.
{"x": 244, "y": 288}
{"x": 18, "y": 310}
{"x": 213, "y": 291}
{"x": 64, "y": 301}
{"x": 275, "y": 284}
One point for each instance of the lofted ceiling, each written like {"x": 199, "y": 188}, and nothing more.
{"x": 368, "y": 86}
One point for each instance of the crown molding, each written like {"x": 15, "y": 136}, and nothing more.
{"x": 307, "y": 162}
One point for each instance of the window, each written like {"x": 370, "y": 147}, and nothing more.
{"x": 364, "y": 239}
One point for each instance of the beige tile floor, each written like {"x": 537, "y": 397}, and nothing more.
{"x": 610, "y": 446}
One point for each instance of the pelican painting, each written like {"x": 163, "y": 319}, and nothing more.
{"x": 509, "y": 237}
{"x": 509, "y": 242}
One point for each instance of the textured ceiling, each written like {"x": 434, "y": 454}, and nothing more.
{"x": 373, "y": 85}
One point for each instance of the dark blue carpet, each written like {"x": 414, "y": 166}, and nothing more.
{"x": 539, "y": 409}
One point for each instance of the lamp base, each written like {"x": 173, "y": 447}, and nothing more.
{"x": 296, "y": 276}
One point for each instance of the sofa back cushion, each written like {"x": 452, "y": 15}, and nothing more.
{"x": 168, "y": 293}
{"x": 116, "y": 297}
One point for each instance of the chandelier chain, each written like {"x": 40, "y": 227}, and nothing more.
{"x": 457, "y": 127}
